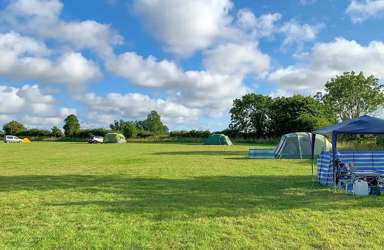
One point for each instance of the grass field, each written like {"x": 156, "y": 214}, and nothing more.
{"x": 173, "y": 196}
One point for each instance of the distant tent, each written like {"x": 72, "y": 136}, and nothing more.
{"x": 114, "y": 138}
{"x": 26, "y": 140}
{"x": 299, "y": 145}
{"x": 218, "y": 139}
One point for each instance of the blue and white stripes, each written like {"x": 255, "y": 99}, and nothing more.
{"x": 325, "y": 168}
{"x": 361, "y": 160}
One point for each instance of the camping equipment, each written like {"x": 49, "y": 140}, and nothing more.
{"x": 261, "y": 153}
{"x": 292, "y": 146}
{"x": 218, "y": 139}
{"x": 114, "y": 138}
{"x": 352, "y": 166}
{"x": 349, "y": 187}
{"x": 299, "y": 146}
{"x": 360, "y": 188}
{"x": 375, "y": 190}
{"x": 362, "y": 125}
{"x": 325, "y": 169}
{"x": 26, "y": 141}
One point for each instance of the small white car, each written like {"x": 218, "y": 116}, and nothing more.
{"x": 95, "y": 140}
{"x": 12, "y": 139}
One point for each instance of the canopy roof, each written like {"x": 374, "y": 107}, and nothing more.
{"x": 363, "y": 125}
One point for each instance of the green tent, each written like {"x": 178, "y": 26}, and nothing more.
{"x": 218, "y": 139}
{"x": 299, "y": 146}
{"x": 114, "y": 138}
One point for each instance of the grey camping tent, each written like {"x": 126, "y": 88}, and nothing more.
{"x": 299, "y": 146}
{"x": 114, "y": 138}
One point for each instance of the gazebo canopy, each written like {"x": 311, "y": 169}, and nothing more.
{"x": 363, "y": 125}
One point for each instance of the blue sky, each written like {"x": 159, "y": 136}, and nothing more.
{"x": 113, "y": 59}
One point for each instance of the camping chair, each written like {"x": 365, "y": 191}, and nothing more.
{"x": 360, "y": 166}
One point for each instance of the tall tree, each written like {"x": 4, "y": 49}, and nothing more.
{"x": 128, "y": 128}
{"x": 154, "y": 124}
{"x": 297, "y": 113}
{"x": 351, "y": 95}
{"x": 251, "y": 113}
{"x": 117, "y": 125}
{"x": 13, "y": 127}
{"x": 71, "y": 126}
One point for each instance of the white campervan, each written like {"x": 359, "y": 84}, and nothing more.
{"x": 12, "y": 139}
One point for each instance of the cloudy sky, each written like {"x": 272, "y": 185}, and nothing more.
{"x": 119, "y": 59}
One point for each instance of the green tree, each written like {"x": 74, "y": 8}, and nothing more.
{"x": 117, "y": 126}
{"x": 56, "y": 132}
{"x": 251, "y": 114}
{"x": 13, "y": 127}
{"x": 351, "y": 95}
{"x": 297, "y": 113}
{"x": 154, "y": 124}
{"x": 129, "y": 130}
{"x": 71, "y": 126}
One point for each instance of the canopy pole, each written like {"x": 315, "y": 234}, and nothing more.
{"x": 334, "y": 150}
{"x": 313, "y": 153}
{"x": 300, "y": 151}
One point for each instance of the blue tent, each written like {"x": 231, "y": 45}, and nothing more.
{"x": 363, "y": 125}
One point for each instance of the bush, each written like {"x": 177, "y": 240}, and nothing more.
{"x": 145, "y": 134}
{"x": 190, "y": 134}
{"x": 85, "y": 133}
{"x": 56, "y": 132}
{"x": 129, "y": 130}
{"x": 34, "y": 132}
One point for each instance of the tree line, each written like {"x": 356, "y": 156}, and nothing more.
{"x": 151, "y": 126}
{"x": 345, "y": 97}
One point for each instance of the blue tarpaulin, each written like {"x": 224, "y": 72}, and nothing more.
{"x": 363, "y": 125}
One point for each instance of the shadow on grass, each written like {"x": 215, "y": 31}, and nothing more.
{"x": 241, "y": 158}
{"x": 196, "y": 197}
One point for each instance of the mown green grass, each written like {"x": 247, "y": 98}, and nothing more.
{"x": 173, "y": 196}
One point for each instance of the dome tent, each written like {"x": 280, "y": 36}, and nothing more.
{"x": 299, "y": 145}
{"x": 218, "y": 139}
{"x": 114, "y": 138}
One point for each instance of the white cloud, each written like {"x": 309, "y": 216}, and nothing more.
{"x": 146, "y": 72}
{"x": 184, "y": 26}
{"x": 24, "y": 58}
{"x": 236, "y": 59}
{"x": 196, "y": 89}
{"x": 360, "y": 10}
{"x": 297, "y": 34}
{"x": 42, "y": 18}
{"x": 250, "y": 28}
{"x": 31, "y": 106}
{"x": 135, "y": 106}
{"x": 49, "y": 9}
{"x": 262, "y": 26}
{"x": 10, "y": 102}
{"x": 211, "y": 92}
{"x": 326, "y": 60}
